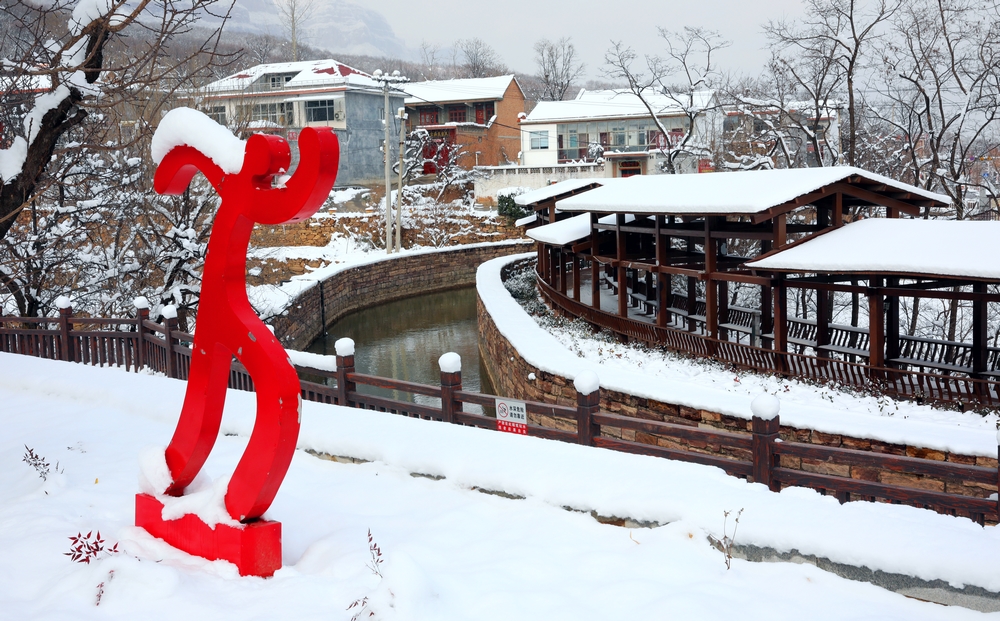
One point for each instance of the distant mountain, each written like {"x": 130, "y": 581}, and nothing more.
{"x": 335, "y": 25}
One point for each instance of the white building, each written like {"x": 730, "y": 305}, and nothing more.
{"x": 616, "y": 126}
{"x": 283, "y": 98}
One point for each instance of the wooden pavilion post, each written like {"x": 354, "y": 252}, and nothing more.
{"x": 711, "y": 299}
{"x": 576, "y": 275}
{"x": 822, "y": 324}
{"x": 561, "y": 270}
{"x": 876, "y": 324}
{"x": 621, "y": 256}
{"x": 595, "y": 267}
{"x": 780, "y": 230}
{"x": 979, "y": 334}
{"x": 892, "y": 322}
{"x": 766, "y": 298}
{"x": 723, "y": 309}
{"x": 692, "y": 291}
{"x": 662, "y": 279}
{"x": 780, "y": 323}
{"x": 838, "y": 210}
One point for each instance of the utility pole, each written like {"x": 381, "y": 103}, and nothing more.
{"x": 401, "y": 114}
{"x": 386, "y": 79}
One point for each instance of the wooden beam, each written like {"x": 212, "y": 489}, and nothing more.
{"x": 876, "y": 199}
{"x": 838, "y": 210}
{"x": 779, "y": 232}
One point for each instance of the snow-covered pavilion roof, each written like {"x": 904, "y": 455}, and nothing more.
{"x": 309, "y": 74}
{"x": 731, "y": 193}
{"x": 610, "y": 104}
{"x": 560, "y": 188}
{"x": 955, "y": 248}
{"x": 448, "y": 91}
{"x": 569, "y": 230}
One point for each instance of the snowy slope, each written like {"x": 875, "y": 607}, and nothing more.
{"x": 451, "y": 553}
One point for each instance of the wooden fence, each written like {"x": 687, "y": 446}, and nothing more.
{"x": 946, "y": 388}
{"x": 757, "y": 456}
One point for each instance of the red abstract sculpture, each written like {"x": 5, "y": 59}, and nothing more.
{"x": 227, "y": 327}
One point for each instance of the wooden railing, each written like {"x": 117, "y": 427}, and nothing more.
{"x": 945, "y": 388}
{"x": 140, "y": 343}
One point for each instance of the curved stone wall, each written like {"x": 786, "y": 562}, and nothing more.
{"x": 384, "y": 280}
{"x": 515, "y": 377}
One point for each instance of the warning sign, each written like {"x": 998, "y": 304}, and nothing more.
{"x": 512, "y": 416}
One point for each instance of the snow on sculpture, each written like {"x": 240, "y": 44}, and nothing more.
{"x": 228, "y": 326}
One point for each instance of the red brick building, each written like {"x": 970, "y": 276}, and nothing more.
{"x": 478, "y": 116}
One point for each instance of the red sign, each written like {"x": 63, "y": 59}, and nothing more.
{"x": 293, "y": 135}
{"x": 228, "y": 327}
{"x": 705, "y": 166}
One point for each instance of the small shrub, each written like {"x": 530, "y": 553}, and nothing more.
{"x": 89, "y": 547}
{"x": 509, "y": 209}
{"x": 376, "y": 553}
{"x": 725, "y": 545}
{"x": 42, "y": 467}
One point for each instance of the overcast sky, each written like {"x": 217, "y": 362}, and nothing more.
{"x": 513, "y": 26}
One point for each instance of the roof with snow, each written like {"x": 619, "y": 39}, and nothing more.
{"x": 612, "y": 104}
{"x": 567, "y": 231}
{"x": 449, "y": 91}
{"x": 562, "y": 188}
{"x": 308, "y": 74}
{"x": 745, "y": 192}
{"x": 956, "y": 248}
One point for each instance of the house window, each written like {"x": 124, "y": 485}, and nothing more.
{"x": 429, "y": 116}
{"x": 484, "y": 112}
{"x": 278, "y": 81}
{"x": 539, "y": 140}
{"x": 217, "y": 114}
{"x": 265, "y": 112}
{"x": 325, "y": 110}
{"x": 456, "y": 115}
{"x": 279, "y": 114}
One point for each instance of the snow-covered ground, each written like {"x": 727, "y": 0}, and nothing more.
{"x": 566, "y": 349}
{"x": 450, "y": 552}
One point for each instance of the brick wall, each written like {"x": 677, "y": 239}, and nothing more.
{"x": 384, "y": 281}
{"x": 509, "y": 374}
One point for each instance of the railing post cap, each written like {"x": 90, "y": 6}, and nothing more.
{"x": 586, "y": 382}
{"x": 62, "y": 302}
{"x": 141, "y": 303}
{"x": 450, "y": 363}
{"x": 765, "y": 406}
{"x": 344, "y": 347}
{"x": 169, "y": 311}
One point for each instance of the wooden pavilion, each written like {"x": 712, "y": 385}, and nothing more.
{"x": 653, "y": 258}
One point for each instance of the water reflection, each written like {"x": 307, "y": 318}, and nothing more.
{"x": 404, "y": 339}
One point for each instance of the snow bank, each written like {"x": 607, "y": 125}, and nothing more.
{"x": 448, "y": 549}
{"x": 184, "y": 126}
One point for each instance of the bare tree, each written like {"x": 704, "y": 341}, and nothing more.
{"x": 62, "y": 68}
{"x": 690, "y": 54}
{"x": 293, "y": 15}
{"x": 833, "y": 34}
{"x": 260, "y": 48}
{"x": 557, "y": 66}
{"x": 940, "y": 91}
{"x": 479, "y": 59}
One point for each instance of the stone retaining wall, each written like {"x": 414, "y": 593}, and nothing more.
{"x": 390, "y": 279}
{"x": 509, "y": 373}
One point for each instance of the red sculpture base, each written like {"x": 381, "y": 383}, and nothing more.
{"x": 254, "y": 548}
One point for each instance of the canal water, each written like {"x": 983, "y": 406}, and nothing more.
{"x": 404, "y": 339}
